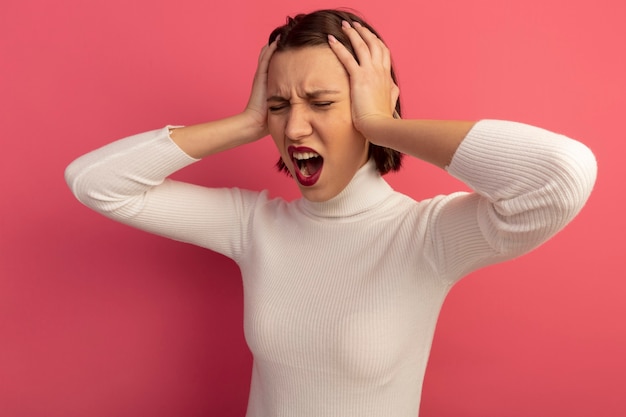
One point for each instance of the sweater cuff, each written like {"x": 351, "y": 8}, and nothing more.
{"x": 151, "y": 155}
{"x": 168, "y": 157}
{"x": 167, "y": 130}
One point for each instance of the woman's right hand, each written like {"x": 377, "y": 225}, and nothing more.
{"x": 257, "y": 107}
{"x": 248, "y": 126}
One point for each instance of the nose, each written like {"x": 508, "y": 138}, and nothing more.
{"x": 298, "y": 124}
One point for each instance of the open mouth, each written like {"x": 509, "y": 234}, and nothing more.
{"x": 307, "y": 164}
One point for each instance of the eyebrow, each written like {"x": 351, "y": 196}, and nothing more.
{"x": 310, "y": 94}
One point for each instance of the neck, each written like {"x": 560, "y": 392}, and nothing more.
{"x": 366, "y": 190}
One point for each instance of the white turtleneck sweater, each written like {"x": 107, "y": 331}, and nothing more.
{"x": 342, "y": 297}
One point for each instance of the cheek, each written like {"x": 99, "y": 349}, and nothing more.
{"x": 276, "y": 130}
{"x": 277, "y": 133}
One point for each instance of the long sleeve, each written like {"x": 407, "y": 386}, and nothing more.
{"x": 528, "y": 182}
{"x": 127, "y": 181}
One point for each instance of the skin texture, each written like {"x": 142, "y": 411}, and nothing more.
{"x": 373, "y": 91}
{"x": 361, "y": 110}
{"x": 211, "y": 137}
{"x": 374, "y": 94}
{"x": 310, "y": 106}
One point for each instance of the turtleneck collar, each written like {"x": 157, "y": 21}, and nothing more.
{"x": 366, "y": 190}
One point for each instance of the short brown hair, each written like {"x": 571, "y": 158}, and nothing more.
{"x": 312, "y": 29}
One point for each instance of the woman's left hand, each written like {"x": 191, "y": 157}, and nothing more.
{"x": 373, "y": 91}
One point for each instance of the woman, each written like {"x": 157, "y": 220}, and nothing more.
{"x": 343, "y": 286}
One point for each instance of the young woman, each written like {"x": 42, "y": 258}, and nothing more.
{"x": 343, "y": 286}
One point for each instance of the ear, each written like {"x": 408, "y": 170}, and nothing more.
{"x": 395, "y": 95}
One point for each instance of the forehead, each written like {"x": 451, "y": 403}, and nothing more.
{"x": 315, "y": 67}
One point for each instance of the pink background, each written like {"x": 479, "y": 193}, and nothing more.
{"x": 97, "y": 319}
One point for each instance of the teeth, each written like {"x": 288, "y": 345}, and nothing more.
{"x": 304, "y": 155}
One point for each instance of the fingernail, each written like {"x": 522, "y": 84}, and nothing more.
{"x": 332, "y": 39}
{"x": 357, "y": 24}
{"x": 345, "y": 24}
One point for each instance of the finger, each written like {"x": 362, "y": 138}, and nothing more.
{"x": 344, "y": 56}
{"x": 266, "y": 55}
{"x": 379, "y": 51}
{"x": 257, "y": 96}
{"x": 373, "y": 42}
{"x": 386, "y": 56}
{"x": 361, "y": 48}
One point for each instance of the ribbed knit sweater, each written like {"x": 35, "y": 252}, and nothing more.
{"x": 342, "y": 297}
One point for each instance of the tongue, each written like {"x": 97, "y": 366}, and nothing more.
{"x": 313, "y": 165}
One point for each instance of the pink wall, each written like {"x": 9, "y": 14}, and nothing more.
{"x": 97, "y": 319}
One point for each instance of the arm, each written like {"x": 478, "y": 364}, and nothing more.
{"x": 127, "y": 179}
{"x": 433, "y": 141}
{"x": 206, "y": 139}
{"x": 529, "y": 182}
{"x": 374, "y": 94}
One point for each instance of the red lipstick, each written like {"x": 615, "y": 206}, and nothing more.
{"x": 307, "y": 164}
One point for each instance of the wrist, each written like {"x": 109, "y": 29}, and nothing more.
{"x": 254, "y": 124}
{"x": 376, "y": 128}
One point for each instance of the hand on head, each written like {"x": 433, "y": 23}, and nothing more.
{"x": 257, "y": 103}
{"x": 373, "y": 91}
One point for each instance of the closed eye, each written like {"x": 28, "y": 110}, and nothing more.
{"x": 278, "y": 107}
{"x": 322, "y": 104}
